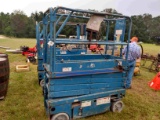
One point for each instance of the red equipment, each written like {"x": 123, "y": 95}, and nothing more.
{"x": 30, "y": 53}
{"x": 26, "y": 50}
{"x": 94, "y": 48}
{"x": 155, "y": 83}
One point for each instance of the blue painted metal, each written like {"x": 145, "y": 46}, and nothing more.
{"x": 67, "y": 104}
{"x": 107, "y": 35}
{"x": 78, "y": 84}
{"x": 44, "y": 36}
{"x": 74, "y": 51}
{"x": 78, "y": 31}
{"x": 60, "y": 29}
{"x": 120, "y": 25}
{"x": 76, "y": 41}
{"x": 59, "y": 19}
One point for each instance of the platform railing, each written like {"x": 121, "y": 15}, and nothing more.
{"x": 51, "y": 19}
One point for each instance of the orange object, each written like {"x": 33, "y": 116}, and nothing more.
{"x": 155, "y": 83}
{"x": 93, "y": 48}
{"x": 134, "y": 39}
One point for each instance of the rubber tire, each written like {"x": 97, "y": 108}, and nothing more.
{"x": 63, "y": 116}
{"x": 117, "y": 106}
{"x": 41, "y": 83}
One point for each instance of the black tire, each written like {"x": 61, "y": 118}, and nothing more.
{"x": 117, "y": 106}
{"x": 41, "y": 83}
{"x": 60, "y": 116}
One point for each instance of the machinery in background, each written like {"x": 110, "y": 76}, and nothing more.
{"x": 152, "y": 62}
{"x": 30, "y": 53}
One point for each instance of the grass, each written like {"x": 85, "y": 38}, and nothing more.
{"x": 24, "y": 100}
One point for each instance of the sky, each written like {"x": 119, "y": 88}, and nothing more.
{"x": 126, "y": 7}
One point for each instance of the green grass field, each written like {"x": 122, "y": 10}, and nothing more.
{"x": 24, "y": 100}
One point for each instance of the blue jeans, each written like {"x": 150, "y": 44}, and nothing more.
{"x": 131, "y": 66}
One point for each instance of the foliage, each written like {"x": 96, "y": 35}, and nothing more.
{"x": 17, "y": 24}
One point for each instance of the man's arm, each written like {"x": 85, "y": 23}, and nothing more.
{"x": 138, "y": 51}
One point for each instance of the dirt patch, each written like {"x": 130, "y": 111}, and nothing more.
{"x": 2, "y": 37}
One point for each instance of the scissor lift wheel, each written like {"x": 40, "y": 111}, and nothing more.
{"x": 117, "y": 106}
{"x": 41, "y": 83}
{"x": 60, "y": 116}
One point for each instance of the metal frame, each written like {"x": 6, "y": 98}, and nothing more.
{"x": 71, "y": 77}
{"x": 53, "y": 34}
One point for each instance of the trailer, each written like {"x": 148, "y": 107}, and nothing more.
{"x": 80, "y": 85}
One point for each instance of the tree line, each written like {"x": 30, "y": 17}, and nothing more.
{"x": 17, "y": 24}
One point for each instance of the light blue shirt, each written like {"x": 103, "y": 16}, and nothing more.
{"x": 134, "y": 51}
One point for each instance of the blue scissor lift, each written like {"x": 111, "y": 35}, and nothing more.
{"x": 41, "y": 29}
{"x": 80, "y": 85}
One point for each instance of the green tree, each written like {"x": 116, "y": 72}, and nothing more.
{"x": 139, "y": 28}
{"x": 4, "y": 22}
{"x": 155, "y": 27}
{"x": 18, "y": 23}
{"x": 30, "y": 28}
{"x": 8, "y": 31}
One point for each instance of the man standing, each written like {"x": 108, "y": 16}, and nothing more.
{"x": 133, "y": 54}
